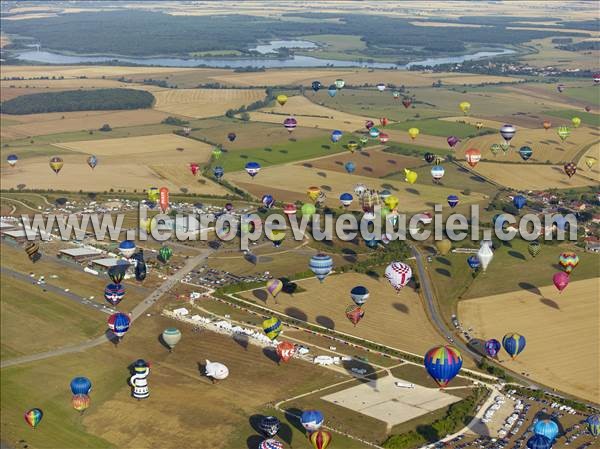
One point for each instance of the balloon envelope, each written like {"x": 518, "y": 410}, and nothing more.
{"x": 359, "y": 295}
{"x": 568, "y": 260}
{"x": 443, "y": 364}
{"x": 81, "y": 385}
{"x": 321, "y": 265}
{"x": 271, "y": 444}
{"x": 171, "y": 336}
{"x": 285, "y": 350}
{"x": 272, "y": 327}
{"x": 492, "y": 347}
{"x": 539, "y": 442}
{"x": 270, "y": 425}
{"x": 33, "y": 417}
{"x": 560, "y": 280}
{"x": 546, "y": 427}
{"x": 514, "y": 344}
{"x": 311, "y": 420}
{"x": 593, "y": 422}
{"x": 398, "y": 274}
{"x": 274, "y": 286}
{"x": 320, "y": 439}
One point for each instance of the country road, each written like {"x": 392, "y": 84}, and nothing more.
{"x": 137, "y": 311}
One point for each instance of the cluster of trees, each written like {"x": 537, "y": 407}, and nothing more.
{"x": 581, "y": 46}
{"x": 170, "y": 120}
{"x": 243, "y": 110}
{"x": 78, "y": 100}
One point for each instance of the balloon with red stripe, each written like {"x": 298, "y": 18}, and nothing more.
{"x": 320, "y": 439}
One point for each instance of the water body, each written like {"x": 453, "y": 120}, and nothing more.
{"x": 273, "y": 46}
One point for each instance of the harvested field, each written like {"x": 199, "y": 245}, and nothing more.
{"x": 392, "y": 319}
{"x": 562, "y": 332}
{"x": 76, "y": 71}
{"x": 200, "y": 103}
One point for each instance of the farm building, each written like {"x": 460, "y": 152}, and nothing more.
{"x": 19, "y": 235}
{"x": 79, "y": 255}
{"x": 103, "y": 265}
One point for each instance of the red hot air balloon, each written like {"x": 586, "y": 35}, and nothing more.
{"x": 354, "y": 313}
{"x": 406, "y": 102}
{"x": 285, "y": 350}
{"x": 473, "y": 156}
{"x": 164, "y": 199}
{"x": 384, "y": 121}
{"x": 194, "y": 168}
{"x": 561, "y": 280}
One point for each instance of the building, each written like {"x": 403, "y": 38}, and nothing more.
{"x": 20, "y": 235}
{"x": 103, "y": 265}
{"x": 79, "y": 255}
{"x": 592, "y": 244}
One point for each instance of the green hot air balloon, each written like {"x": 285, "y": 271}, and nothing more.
{"x": 308, "y": 210}
{"x": 534, "y": 248}
{"x": 164, "y": 254}
{"x": 563, "y": 132}
{"x": 171, "y": 337}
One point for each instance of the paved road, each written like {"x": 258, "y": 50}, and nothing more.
{"x": 138, "y": 311}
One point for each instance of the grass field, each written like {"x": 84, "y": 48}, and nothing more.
{"x": 557, "y": 328}
{"x": 586, "y": 117}
{"x": 440, "y": 128}
{"x": 14, "y": 88}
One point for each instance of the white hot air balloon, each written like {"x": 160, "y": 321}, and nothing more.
{"x": 216, "y": 370}
{"x": 171, "y": 337}
{"x": 398, "y": 274}
{"x": 485, "y": 254}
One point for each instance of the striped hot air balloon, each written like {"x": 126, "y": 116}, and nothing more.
{"x": 252, "y": 168}
{"x": 546, "y": 427}
{"x": 359, "y": 295}
{"x": 443, "y": 363}
{"x": 568, "y": 261}
{"x": 274, "y": 286}
{"x": 272, "y": 327}
{"x": 269, "y": 425}
{"x": 321, "y": 265}
{"x": 33, "y": 417}
{"x": 320, "y": 439}
{"x": 290, "y": 124}
{"x": 271, "y": 443}
{"x": 114, "y": 293}
{"x": 56, "y": 164}
{"x": 539, "y": 442}
{"x": 119, "y": 323}
{"x": 593, "y": 423}
{"x": 80, "y": 402}
{"x": 514, "y": 344}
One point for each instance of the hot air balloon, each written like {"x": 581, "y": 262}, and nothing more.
{"x": 568, "y": 261}
{"x": 359, "y": 295}
{"x": 81, "y": 385}
{"x": 12, "y": 159}
{"x": 252, "y": 168}
{"x": 32, "y": 250}
{"x": 285, "y": 350}
{"x": 231, "y": 136}
{"x": 396, "y": 94}
{"x": 92, "y": 161}
{"x": 33, "y": 417}
{"x": 465, "y": 107}
{"x": 339, "y": 83}
{"x": 452, "y": 200}
{"x": 437, "y": 172}
{"x": 369, "y": 124}
{"x": 547, "y": 124}
{"x": 590, "y": 161}
{"x": 274, "y": 286}
{"x": 354, "y": 313}
{"x": 588, "y": 108}
{"x": 290, "y": 124}
{"x": 525, "y": 152}
{"x": 485, "y": 255}
{"x": 311, "y": 420}
{"x": 473, "y": 262}
{"x": 519, "y": 201}
{"x": 384, "y": 138}
{"x": 308, "y": 210}
{"x": 534, "y": 248}
{"x": 410, "y": 176}
{"x": 140, "y": 266}
{"x": 473, "y": 156}
{"x": 374, "y": 132}
{"x": 492, "y": 347}
{"x": 80, "y": 402}
{"x": 576, "y": 122}
{"x": 346, "y": 199}
{"x": 336, "y": 136}
{"x": 443, "y": 363}
{"x": 596, "y": 78}
{"x": 216, "y": 152}
{"x": 560, "y": 87}
{"x": 282, "y": 99}
{"x": 383, "y": 121}
{"x": 313, "y": 192}
{"x": 270, "y": 444}
{"x": 114, "y": 293}
{"x": 539, "y": 442}
{"x": 215, "y": 370}
{"x": 593, "y": 422}
{"x": 452, "y": 141}
{"x": 429, "y": 157}
{"x": 118, "y": 323}
{"x": 479, "y": 125}
{"x": 398, "y": 274}
{"x": 406, "y": 102}
{"x": 495, "y": 148}
{"x": 514, "y": 344}
{"x": 563, "y": 132}
{"x": 153, "y": 194}
{"x": 352, "y": 145}
{"x": 218, "y": 172}
{"x": 268, "y": 201}
{"x": 194, "y": 167}
{"x": 56, "y": 164}
{"x": 350, "y": 167}
{"x": 163, "y": 200}
{"x": 508, "y": 132}
{"x": 332, "y": 90}
{"x": 360, "y": 189}
{"x": 443, "y": 246}
{"x": 164, "y": 254}
{"x": 272, "y": 327}
{"x": 413, "y": 133}
{"x": 316, "y": 86}
{"x": 127, "y": 248}
{"x": 320, "y": 439}
{"x": 171, "y": 336}
{"x": 276, "y": 236}
{"x": 546, "y": 427}
{"x": 570, "y": 169}
{"x": 380, "y": 87}
{"x": 269, "y": 425}
{"x": 290, "y": 209}
{"x": 321, "y": 265}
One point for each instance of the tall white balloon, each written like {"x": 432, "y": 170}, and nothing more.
{"x": 485, "y": 254}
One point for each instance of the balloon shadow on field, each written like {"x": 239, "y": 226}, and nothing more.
{"x": 443, "y": 261}
{"x": 365, "y": 373}
{"x": 326, "y": 188}
{"x": 340, "y": 163}
{"x": 292, "y": 416}
{"x": 260, "y": 294}
{"x": 443, "y": 272}
{"x": 253, "y": 441}
{"x": 369, "y": 169}
{"x": 477, "y": 345}
{"x": 296, "y": 313}
{"x": 307, "y": 165}
{"x": 516, "y": 255}
{"x": 413, "y": 191}
{"x": 254, "y": 422}
{"x": 325, "y": 321}
{"x": 349, "y": 255}
{"x": 110, "y": 336}
{"x": 322, "y": 174}
{"x": 242, "y": 340}
{"x": 391, "y": 161}
{"x": 162, "y": 341}
{"x": 289, "y": 287}
{"x": 373, "y": 274}
{"x": 400, "y": 307}
{"x": 550, "y": 303}
{"x": 271, "y": 354}
{"x": 530, "y": 287}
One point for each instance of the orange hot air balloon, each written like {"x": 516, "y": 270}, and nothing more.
{"x": 163, "y": 199}
{"x": 384, "y": 121}
{"x": 546, "y": 124}
{"x": 473, "y": 156}
{"x": 286, "y": 350}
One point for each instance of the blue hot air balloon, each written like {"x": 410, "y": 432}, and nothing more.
{"x": 513, "y": 344}
{"x": 127, "y": 248}
{"x": 346, "y": 199}
{"x": 252, "y": 168}
{"x": 546, "y": 427}
{"x": 81, "y": 385}
{"x": 474, "y": 262}
{"x": 270, "y": 425}
{"x": 519, "y": 201}
{"x": 119, "y": 323}
{"x": 332, "y": 90}
{"x": 268, "y": 201}
{"x": 593, "y": 423}
{"x": 114, "y": 293}
{"x": 218, "y": 172}
{"x": 525, "y": 152}
{"x": 316, "y": 85}
{"x": 539, "y": 442}
{"x": 12, "y": 159}
{"x": 350, "y": 167}
{"x": 452, "y": 200}
{"x": 492, "y": 347}
{"x": 443, "y": 364}
{"x": 359, "y": 295}
{"x": 336, "y": 136}
{"x": 321, "y": 265}
{"x": 311, "y": 420}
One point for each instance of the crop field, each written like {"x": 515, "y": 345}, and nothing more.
{"x": 587, "y": 118}
{"x": 440, "y": 128}
{"x": 14, "y": 88}
{"x": 574, "y": 95}
{"x": 21, "y": 71}
{"x": 550, "y": 55}
{"x": 560, "y": 332}
{"x": 200, "y": 103}
{"x": 392, "y": 319}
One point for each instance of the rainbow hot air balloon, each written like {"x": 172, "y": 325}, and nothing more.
{"x": 508, "y": 132}
{"x": 119, "y": 323}
{"x": 316, "y": 86}
{"x": 33, "y": 417}
{"x": 546, "y": 427}
{"x": 452, "y": 201}
{"x": 563, "y": 132}
{"x": 114, "y": 293}
{"x": 321, "y": 265}
{"x": 290, "y": 124}
{"x": 252, "y": 168}
{"x": 568, "y": 261}
{"x": 281, "y": 99}
{"x": 311, "y": 420}
{"x": 593, "y": 422}
{"x": 570, "y": 169}
{"x": 525, "y": 152}
{"x": 272, "y": 327}
{"x": 519, "y": 201}
{"x": 473, "y": 156}
{"x": 539, "y": 442}
{"x": 452, "y": 141}
{"x": 465, "y": 107}
{"x": 332, "y": 90}
{"x": 274, "y": 286}
{"x": 56, "y": 164}
{"x": 92, "y": 161}
{"x": 171, "y": 336}
{"x": 320, "y": 439}
{"x": 350, "y": 167}
{"x": 81, "y": 385}
{"x": 398, "y": 274}
{"x": 576, "y": 122}
{"x": 270, "y": 425}
{"x": 80, "y": 402}
{"x": 443, "y": 363}
{"x": 492, "y": 347}
{"x": 514, "y": 344}
{"x": 410, "y": 176}
{"x": 359, "y": 295}
{"x": 413, "y": 133}
{"x": 12, "y": 159}
{"x": 336, "y": 136}
{"x": 534, "y": 248}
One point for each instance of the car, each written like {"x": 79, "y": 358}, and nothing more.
{"x": 429, "y": 259}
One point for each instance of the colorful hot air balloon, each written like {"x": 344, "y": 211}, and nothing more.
{"x": 525, "y": 152}
{"x": 350, "y": 167}
{"x": 114, "y": 293}
{"x": 171, "y": 336}
{"x": 231, "y": 136}
{"x": 568, "y": 261}
{"x": 320, "y": 439}
{"x": 252, "y": 168}
{"x": 290, "y": 124}
{"x": 336, "y": 135}
{"x": 32, "y": 249}
{"x": 593, "y": 422}
{"x": 413, "y": 133}
{"x": 570, "y": 169}
{"x": 437, "y": 172}
{"x": 119, "y": 323}
{"x": 271, "y": 444}
{"x": 352, "y": 145}
{"x": 218, "y": 172}
{"x": 596, "y": 78}
{"x": 164, "y": 254}
{"x": 508, "y": 132}
{"x": 313, "y": 192}
{"x": 153, "y": 194}
{"x": 12, "y": 159}
{"x": 452, "y": 200}
{"x": 311, "y": 420}
{"x": 332, "y": 90}
{"x": 398, "y": 274}
{"x": 519, "y": 201}
{"x": 80, "y": 402}
{"x": 429, "y": 157}
{"x": 321, "y": 265}
{"x": 410, "y": 176}
{"x": 539, "y": 442}
{"x": 163, "y": 199}
{"x": 56, "y": 164}
{"x": 473, "y": 262}
{"x": 590, "y": 161}
{"x": 514, "y": 344}
{"x": 308, "y": 210}
{"x": 534, "y": 248}
{"x": 274, "y": 286}
{"x": 380, "y": 87}
{"x": 346, "y": 199}
{"x": 369, "y": 124}
{"x": 81, "y": 385}
{"x": 354, "y": 313}
{"x": 268, "y": 201}
{"x": 576, "y": 122}
{"x": 473, "y": 156}
{"x": 282, "y": 99}
{"x": 547, "y": 124}
{"x": 127, "y": 248}
{"x": 285, "y": 350}
{"x": 452, "y": 141}
{"x": 269, "y": 425}
{"x": 374, "y": 132}
{"x": 563, "y": 132}
{"x": 92, "y": 161}
{"x": 272, "y": 327}
{"x": 316, "y": 85}
{"x": 384, "y": 138}
{"x": 406, "y": 103}
{"x": 443, "y": 363}
{"x": 359, "y": 295}
{"x": 339, "y": 83}
{"x": 194, "y": 167}
{"x": 465, "y": 107}
{"x": 33, "y": 417}
{"x": 546, "y": 427}
{"x": 492, "y": 347}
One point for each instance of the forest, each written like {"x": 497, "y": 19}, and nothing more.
{"x": 78, "y": 100}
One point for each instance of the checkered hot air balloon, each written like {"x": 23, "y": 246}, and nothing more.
{"x": 534, "y": 248}
{"x": 321, "y": 265}
{"x": 398, "y": 274}
{"x": 443, "y": 363}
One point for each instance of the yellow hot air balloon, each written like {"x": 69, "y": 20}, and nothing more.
{"x": 590, "y": 161}
{"x": 275, "y": 235}
{"x": 148, "y": 225}
{"x": 443, "y": 246}
{"x": 410, "y": 176}
{"x": 465, "y": 107}
{"x": 282, "y": 99}
{"x": 56, "y": 164}
{"x": 479, "y": 125}
{"x": 576, "y": 122}
{"x": 313, "y": 193}
{"x": 413, "y": 133}
{"x": 391, "y": 202}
